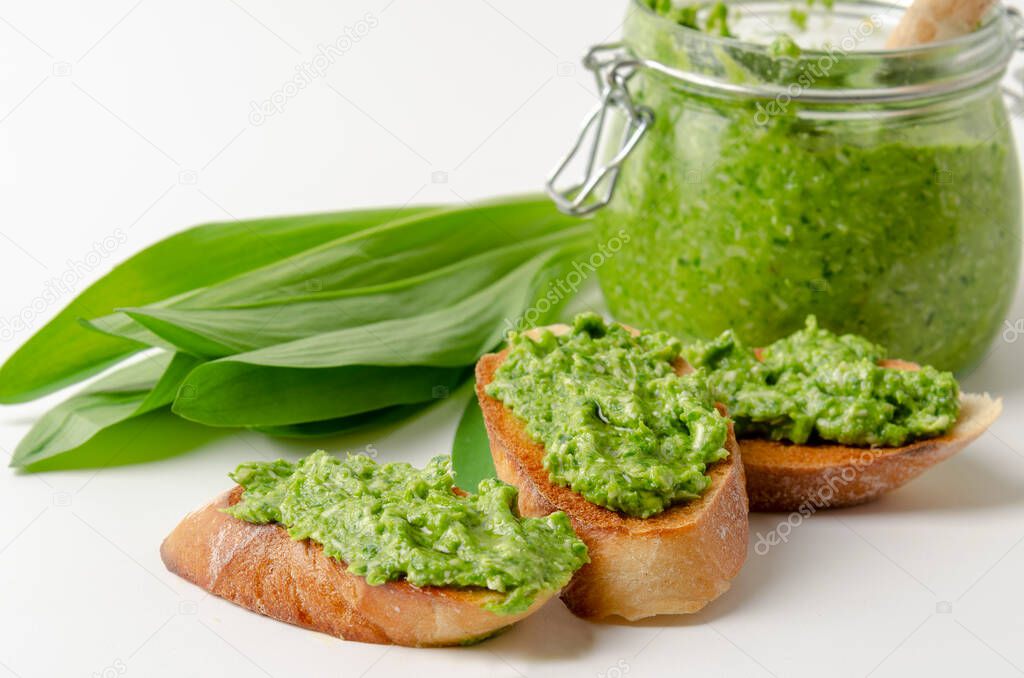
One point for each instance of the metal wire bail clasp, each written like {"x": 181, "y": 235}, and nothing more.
{"x": 613, "y": 68}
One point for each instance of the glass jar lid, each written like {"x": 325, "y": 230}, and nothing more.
{"x": 846, "y": 69}
{"x": 840, "y": 56}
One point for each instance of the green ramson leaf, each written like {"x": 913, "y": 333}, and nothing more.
{"x": 260, "y": 397}
{"x": 392, "y": 251}
{"x": 130, "y": 392}
{"x": 338, "y": 374}
{"x": 224, "y": 331}
{"x": 356, "y": 422}
{"x": 145, "y": 438}
{"x": 369, "y": 260}
{"x": 348, "y": 324}
{"x": 62, "y": 352}
{"x": 471, "y": 449}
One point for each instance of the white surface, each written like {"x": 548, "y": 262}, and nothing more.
{"x": 135, "y": 116}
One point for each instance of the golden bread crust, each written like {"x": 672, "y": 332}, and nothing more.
{"x": 264, "y": 570}
{"x": 787, "y": 477}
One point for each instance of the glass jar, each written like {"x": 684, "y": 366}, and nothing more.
{"x": 878, "y": 190}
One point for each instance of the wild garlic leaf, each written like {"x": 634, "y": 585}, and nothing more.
{"x": 389, "y": 252}
{"x": 130, "y": 392}
{"x": 227, "y": 330}
{"x": 356, "y": 422}
{"x": 355, "y": 370}
{"x": 471, "y": 449}
{"x": 63, "y": 352}
{"x": 375, "y": 258}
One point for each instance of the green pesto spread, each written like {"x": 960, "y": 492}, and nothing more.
{"x": 394, "y": 521}
{"x": 784, "y": 46}
{"x": 715, "y": 19}
{"x": 618, "y": 425}
{"x": 816, "y": 385}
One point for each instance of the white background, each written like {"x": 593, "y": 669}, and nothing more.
{"x": 135, "y": 115}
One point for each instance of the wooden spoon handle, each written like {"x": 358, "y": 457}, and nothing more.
{"x": 933, "y": 20}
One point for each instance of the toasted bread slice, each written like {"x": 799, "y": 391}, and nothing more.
{"x": 675, "y": 562}
{"x": 788, "y": 477}
{"x": 263, "y": 569}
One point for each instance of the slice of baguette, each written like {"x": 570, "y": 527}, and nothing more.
{"x": 675, "y": 562}
{"x": 263, "y": 569}
{"x": 788, "y": 477}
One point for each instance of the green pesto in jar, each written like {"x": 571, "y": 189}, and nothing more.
{"x": 618, "y": 425}
{"x": 817, "y": 386}
{"x": 752, "y": 214}
{"x": 394, "y": 521}
{"x": 715, "y": 20}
